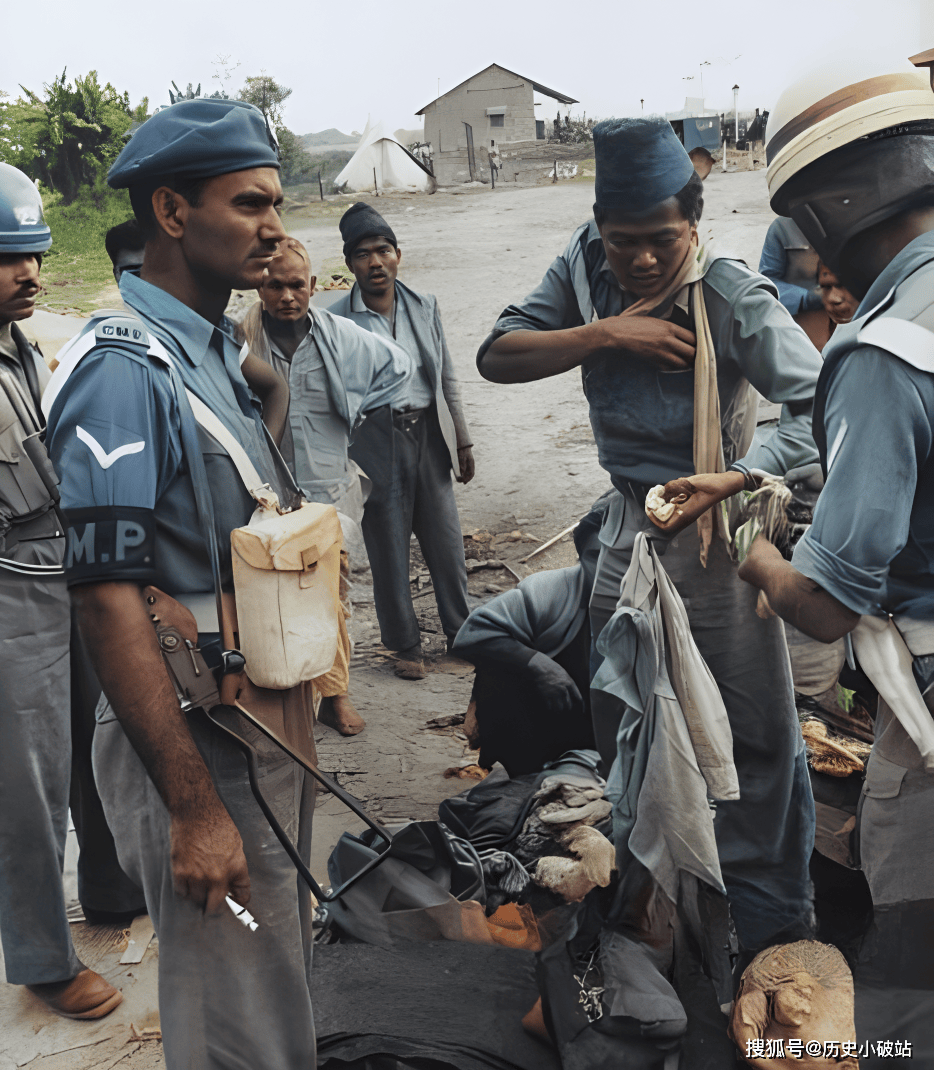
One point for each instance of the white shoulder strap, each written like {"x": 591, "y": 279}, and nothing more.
{"x": 210, "y": 422}
{"x": 908, "y": 341}
{"x": 79, "y": 347}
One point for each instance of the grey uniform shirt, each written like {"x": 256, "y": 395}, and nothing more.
{"x": 872, "y": 541}
{"x": 114, "y": 438}
{"x": 643, "y": 418}
{"x": 400, "y": 328}
{"x": 313, "y": 418}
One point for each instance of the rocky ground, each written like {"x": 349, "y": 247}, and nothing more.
{"x": 537, "y": 472}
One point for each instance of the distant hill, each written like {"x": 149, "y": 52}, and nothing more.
{"x": 328, "y": 138}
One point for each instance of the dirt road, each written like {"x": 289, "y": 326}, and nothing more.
{"x": 477, "y": 250}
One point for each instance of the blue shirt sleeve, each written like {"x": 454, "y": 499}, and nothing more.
{"x": 773, "y": 263}
{"x": 114, "y": 442}
{"x": 878, "y": 436}
{"x": 777, "y": 358}
{"x": 551, "y": 306}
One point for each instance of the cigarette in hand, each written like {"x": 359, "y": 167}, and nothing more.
{"x": 242, "y": 915}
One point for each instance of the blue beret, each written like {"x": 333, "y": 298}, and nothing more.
{"x": 640, "y": 162}
{"x": 197, "y": 138}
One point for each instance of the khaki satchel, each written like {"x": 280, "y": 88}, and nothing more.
{"x": 286, "y": 572}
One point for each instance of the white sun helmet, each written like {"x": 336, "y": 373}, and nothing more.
{"x": 850, "y": 145}
{"x": 837, "y": 104}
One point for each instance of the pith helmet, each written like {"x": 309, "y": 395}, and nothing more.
{"x": 849, "y": 145}
{"x": 22, "y": 225}
{"x": 837, "y": 104}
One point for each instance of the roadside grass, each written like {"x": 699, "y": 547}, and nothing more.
{"x": 77, "y": 268}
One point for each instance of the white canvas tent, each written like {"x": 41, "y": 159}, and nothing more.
{"x": 395, "y": 167}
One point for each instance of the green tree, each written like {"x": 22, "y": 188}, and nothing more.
{"x": 297, "y": 165}
{"x": 69, "y": 137}
{"x": 268, "y": 95}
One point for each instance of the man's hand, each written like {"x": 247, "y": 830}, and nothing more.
{"x": 657, "y": 342}
{"x": 697, "y": 494}
{"x": 208, "y": 861}
{"x": 558, "y": 691}
{"x": 465, "y": 460}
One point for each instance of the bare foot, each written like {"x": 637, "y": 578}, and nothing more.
{"x": 410, "y": 664}
{"x": 339, "y": 713}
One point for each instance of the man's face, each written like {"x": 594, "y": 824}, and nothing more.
{"x": 232, "y": 236}
{"x": 375, "y": 264}
{"x": 286, "y": 289}
{"x": 839, "y": 304}
{"x": 645, "y": 252}
{"x": 19, "y": 285}
{"x": 127, "y": 259}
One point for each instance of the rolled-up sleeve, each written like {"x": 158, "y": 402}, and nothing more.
{"x": 110, "y": 441}
{"x": 773, "y": 263}
{"x": 878, "y": 435}
{"x": 776, "y": 356}
{"x": 551, "y": 306}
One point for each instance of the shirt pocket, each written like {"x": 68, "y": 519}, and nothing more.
{"x": 883, "y": 778}
{"x": 21, "y": 489}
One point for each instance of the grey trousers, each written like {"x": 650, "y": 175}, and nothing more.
{"x": 408, "y": 463}
{"x": 764, "y": 839}
{"x": 229, "y": 998}
{"x": 35, "y": 771}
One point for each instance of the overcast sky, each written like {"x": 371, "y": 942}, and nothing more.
{"x": 386, "y": 59}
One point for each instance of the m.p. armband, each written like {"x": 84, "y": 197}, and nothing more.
{"x": 110, "y": 543}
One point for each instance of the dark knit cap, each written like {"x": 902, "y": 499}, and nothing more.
{"x": 640, "y": 163}
{"x": 361, "y": 221}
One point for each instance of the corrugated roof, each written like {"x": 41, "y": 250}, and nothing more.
{"x": 535, "y": 85}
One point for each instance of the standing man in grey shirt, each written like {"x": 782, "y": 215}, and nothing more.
{"x": 337, "y": 373}
{"x": 629, "y": 302}
{"x": 408, "y": 450}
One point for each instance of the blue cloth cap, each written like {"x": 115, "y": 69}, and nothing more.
{"x": 640, "y": 163}
{"x": 197, "y": 138}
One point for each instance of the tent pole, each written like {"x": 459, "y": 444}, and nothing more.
{"x": 375, "y": 183}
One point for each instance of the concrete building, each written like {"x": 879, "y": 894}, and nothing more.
{"x": 491, "y": 114}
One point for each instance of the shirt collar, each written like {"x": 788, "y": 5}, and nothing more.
{"x": 681, "y": 297}
{"x": 916, "y": 254}
{"x": 274, "y": 345}
{"x": 191, "y": 332}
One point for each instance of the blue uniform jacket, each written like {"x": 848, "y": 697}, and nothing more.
{"x": 872, "y": 541}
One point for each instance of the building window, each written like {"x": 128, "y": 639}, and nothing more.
{"x": 497, "y": 120}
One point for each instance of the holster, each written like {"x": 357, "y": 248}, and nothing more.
{"x": 177, "y": 634}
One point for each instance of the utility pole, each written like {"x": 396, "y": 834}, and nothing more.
{"x": 642, "y": 103}
{"x": 702, "y": 65}
{"x": 736, "y": 115}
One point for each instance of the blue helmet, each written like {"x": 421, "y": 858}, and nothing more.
{"x": 22, "y": 225}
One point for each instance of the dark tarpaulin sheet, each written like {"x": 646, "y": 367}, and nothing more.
{"x": 425, "y": 1006}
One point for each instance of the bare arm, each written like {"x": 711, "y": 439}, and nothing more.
{"x": 207, "y": 853}
{"x": 794, "y": 597}
{"x": 524, "y": 356}
{"x": 273, "y": 392}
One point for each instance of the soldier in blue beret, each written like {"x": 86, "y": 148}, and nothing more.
{"x": 635, "y": 302}
{"x": 204, "y": 183}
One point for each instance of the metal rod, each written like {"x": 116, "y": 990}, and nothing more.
{"x": 320, "y": 186}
